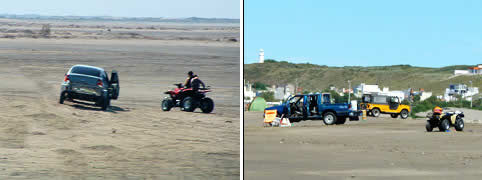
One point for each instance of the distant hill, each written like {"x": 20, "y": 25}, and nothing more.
{"x": 110, "y": 18}
{"x": 397, "y": 77}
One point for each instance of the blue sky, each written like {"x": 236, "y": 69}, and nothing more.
{"x": 125, "y": 8}
{"x": 430, "y": 33}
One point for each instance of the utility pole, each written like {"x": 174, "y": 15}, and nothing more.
{"x": 349, "y": 87}
{"x": 471, "y": 96}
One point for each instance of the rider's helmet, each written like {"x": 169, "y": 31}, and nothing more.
{"x": 437, "y": 110}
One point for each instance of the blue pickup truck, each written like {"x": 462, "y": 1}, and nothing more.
{"x": 316, "y": 107}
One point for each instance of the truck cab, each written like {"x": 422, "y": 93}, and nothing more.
{"x": 315, "y": 107}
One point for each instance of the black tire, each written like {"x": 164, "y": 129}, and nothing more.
{"x": 341, "y": 120}
{"x": 429, "y": 127}
{"x": 404, "y": 114}
{"x": 188, "y": 104}
{"x": 329, "y": 118}
{"x": 62, "y": 97}
{"x": 375, "y": 112}
{"x": 105, "y": 103}
{"x": 394, "y": 115}
{"x": 166, "y": 104}
{"x": 459, "y": 124}
{"x": 444, "y": 125}
{"x": 207, "y": 105}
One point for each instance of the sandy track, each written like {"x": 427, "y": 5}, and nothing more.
{"x": 379, "y": 148}
{"x": 41, "y": 139}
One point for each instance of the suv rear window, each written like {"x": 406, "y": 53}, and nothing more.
{"x": 86, "y": 71}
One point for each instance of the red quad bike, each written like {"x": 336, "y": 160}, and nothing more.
{"x": 187, "y": 99}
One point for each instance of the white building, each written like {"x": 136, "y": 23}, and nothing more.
{"x": 461, "y": 72}
{"x": 476, "y": 70}
{"x": 261, "y": 56}
{"x": 283, "y": 91}
{"x": 363, "y": 88}
{"x": 460, "y": 89}
{"x": 425, "y": 95}
{"x": 249, "y": 94}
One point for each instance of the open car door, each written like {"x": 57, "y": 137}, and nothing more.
{"x": 114, "y": 84}
{"x": 394, "y": 102}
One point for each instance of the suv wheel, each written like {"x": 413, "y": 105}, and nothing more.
{"x": 376, "y": 112}
{"x": 404, "y": 114}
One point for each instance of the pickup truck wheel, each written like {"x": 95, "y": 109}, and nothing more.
{"x": 376, "y": 112}
{"x": 329, "y": 118}
{"x": 62, "y": 97}
{"x": 404, "y": 114}
{"x": 105, "y": 103}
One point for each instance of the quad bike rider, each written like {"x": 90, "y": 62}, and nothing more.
{"x": 443, "y": 121}
{"x": 189, "y": 97}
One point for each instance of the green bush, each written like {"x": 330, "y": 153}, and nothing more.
{"x": 268, "y": 96}
{"x": 432, "y": 102}
{"x": 259, "y": 86}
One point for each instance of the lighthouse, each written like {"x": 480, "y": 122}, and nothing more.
{"x": 261, "y": 56}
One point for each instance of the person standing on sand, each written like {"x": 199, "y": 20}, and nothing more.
{"x": 190, "y": 76}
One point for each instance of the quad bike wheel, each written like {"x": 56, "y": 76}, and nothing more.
{"x": 459, "y": 125}
{"x": 444, "y": 125}
{"x": 207, "y": 105}
{"x": 167, "y": 104}
{"x": 394, "y": 115}
{"x": 188, "y": 104}
{"x": 329, "y": 118}
{"x": 404, "y": 114}
{"x": 375, "y": 112}
{"x": 429, "y": 127}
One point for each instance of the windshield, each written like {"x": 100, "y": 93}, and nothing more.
{"x": 394, "y": 100}
{"x": 86, "y": 71}
{"x": 295, "y": 99}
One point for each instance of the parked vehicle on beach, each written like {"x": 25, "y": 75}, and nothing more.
{"x": 89, "y": 83}
{"x": 188, "y": 99}
{"x": 381, "y": 104}
{"x": 316, "y": 107}
{"x": 443, "y": 121}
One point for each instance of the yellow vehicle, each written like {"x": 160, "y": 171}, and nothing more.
{"x": 380, "y": 104}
